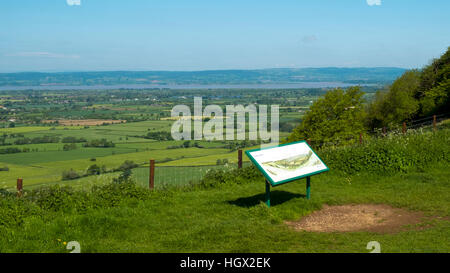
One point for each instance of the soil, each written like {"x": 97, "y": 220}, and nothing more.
{"x": 361, "y": 217}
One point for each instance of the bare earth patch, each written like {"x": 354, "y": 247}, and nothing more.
{"x": 361, "y": 217}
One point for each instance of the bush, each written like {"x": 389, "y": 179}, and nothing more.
{"x": 127, "y": 165}
{"x": 73, "y": 140}
{"x": 395, "y": 153}
{"x": 10, "y": 151}
{"x": 161, "y": 136}
{"x": 93, "y": 170}
{"x": 70, "y": 175}
{"x": 99, "y": 143}
{"x": 69, "y": 147}
{"x": 217, "y": 177}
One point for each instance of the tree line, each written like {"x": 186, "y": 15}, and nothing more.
{"x": 341, "y": 115}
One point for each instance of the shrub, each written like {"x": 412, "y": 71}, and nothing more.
{"x": 70, "y": 139}
{"x": 10, "y": 151}
{"x": 99, "y": 143}
{"x": 69, "y": 147}
{"x": 127, "y": 165}
{"x": 216, "y": 177}
{"x": 93, "y": 170}
{"x": 70, "y": 175}
{"x": 395, "y": 153}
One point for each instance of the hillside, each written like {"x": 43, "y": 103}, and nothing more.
{"x": 225, "y": 213}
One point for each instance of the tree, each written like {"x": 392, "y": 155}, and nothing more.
{"x": 397, "y": 103}
{"x": 434, "y": 87}
{"x": 93, "y": 170}
{"x": 338, "y": 116}
{"x": 416, "y": 93}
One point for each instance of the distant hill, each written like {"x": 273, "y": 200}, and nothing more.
{"x": 378, "y": 75}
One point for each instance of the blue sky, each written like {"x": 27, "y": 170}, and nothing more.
{"x": 60, "y": 35}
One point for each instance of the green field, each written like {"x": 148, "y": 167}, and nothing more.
{"x": 44, "y": 163}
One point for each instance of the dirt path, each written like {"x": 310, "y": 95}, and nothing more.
{"x": 361, "y": 217}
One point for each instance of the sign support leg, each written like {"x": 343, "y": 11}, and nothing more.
{"x": 268, "y": 193}
{"x": 308, "y": 187}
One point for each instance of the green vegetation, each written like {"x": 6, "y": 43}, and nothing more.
{"x": 417, "y": 93}
{"x": 338, "y": 116}
{"x": 225, "y": 212}
{"x": 99, "y": 143}
{"x": 395, "y": 153}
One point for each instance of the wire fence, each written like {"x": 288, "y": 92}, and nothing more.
{"x": 165, "y": 176}
{"x": 427, "y": 123}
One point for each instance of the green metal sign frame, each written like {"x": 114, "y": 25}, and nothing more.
{"x": 269, "y": 180}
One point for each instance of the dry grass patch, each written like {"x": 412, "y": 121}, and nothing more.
{"x": 361, "y": 217}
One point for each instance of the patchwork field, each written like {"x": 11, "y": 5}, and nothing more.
{"x": 44, "y": 163}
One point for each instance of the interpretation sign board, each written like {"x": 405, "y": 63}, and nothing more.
{"x": 287, "y": 162}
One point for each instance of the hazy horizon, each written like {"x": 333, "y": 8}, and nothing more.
{"x": 205, "y": 70}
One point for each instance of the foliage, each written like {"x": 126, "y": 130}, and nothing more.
{"x": 94, "y": 170}
{"x": 127, "y": 165}
{"x": 395, "y": 153}
{"x": 69, "y": 147}
{"x": 160, "y": 136}
{"x": 124, "y": 177}
{"x": 397, "y": 103}
{"x": 70, "y": 175}
{"x": 99, "y": 143}
{"x": 336, "y": 117}
{"x": 10, "y": 150}
{"x": 71, "y": 139}
{"x": 434, "y": 87}
{"x": 217, "y": 177}
{"x": 417, "y": 93}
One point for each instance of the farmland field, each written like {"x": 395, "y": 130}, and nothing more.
{"x": 53, "y": 137}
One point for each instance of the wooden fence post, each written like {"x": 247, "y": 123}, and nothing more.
{"x": 384, "y": 131}
{"x": 434, "y": 122}
{"x": 152, "y": 175}
{"x": 360, "y": 138}
{"x": 404, "y": 128}
{"x": 19, "y": 187}
{"x": 240, "y": 159}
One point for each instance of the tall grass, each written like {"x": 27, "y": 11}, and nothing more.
{"x": 415, "y": 150}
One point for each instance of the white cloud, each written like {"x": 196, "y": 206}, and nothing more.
{"x": 374, "y": 2}
{"x": 309, "y": 39}
{"x": 73, "y": 2}
{"x": 43, "y": 55}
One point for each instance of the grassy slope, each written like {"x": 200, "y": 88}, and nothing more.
{"x": 233, "y": 219}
